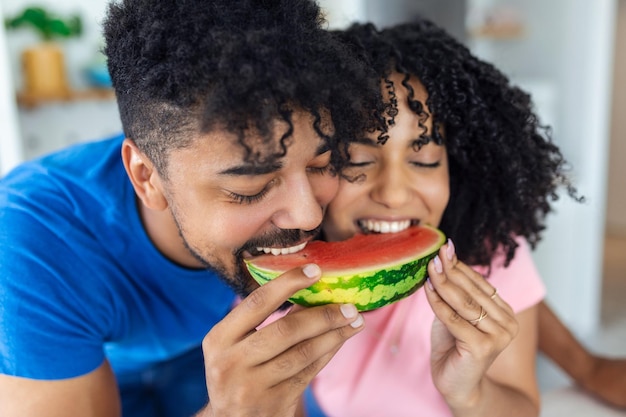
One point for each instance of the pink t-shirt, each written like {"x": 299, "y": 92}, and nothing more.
{"x": 385, "y": 369}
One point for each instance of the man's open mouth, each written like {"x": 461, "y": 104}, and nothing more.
{"x": 281, "y": 251}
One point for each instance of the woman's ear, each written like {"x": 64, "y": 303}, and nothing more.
{"x": 144, "y": 176}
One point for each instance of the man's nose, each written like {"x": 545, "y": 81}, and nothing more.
{"x": 300, "y": 209}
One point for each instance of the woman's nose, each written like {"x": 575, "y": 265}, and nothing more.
{"x": 392, "y": 189}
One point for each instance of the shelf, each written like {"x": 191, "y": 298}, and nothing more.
{"x": 30, "y": 101}
{"x": 503, "y": 32}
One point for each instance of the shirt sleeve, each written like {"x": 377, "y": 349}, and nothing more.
{"x": 51, "y": 324}
{"x": 519, "y": 284}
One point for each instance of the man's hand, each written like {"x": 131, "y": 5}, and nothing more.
{"x": 264, "y": 372}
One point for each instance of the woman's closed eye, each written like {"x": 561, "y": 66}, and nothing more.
{"x": 426, "y": 164}
{"x": 360, "y": 164}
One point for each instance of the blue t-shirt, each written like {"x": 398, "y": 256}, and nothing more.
{"x": 80, "y": 279}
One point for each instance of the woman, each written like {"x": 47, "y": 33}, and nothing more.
{"x": 464, "y": 152}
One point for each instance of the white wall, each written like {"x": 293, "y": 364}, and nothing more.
{"x": 79, "y": 52}
{"x": 10, "y": 144}
{"x": 449, "y": 13}
{"x": 54, "y": 125}
{"x": 571, "y": 256}
{"x": 616, "y": 196}
{"x": 340, "y": 14}
{"x": 564, "y": 60}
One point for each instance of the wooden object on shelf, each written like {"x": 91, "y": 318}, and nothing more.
{"x": 30, "y": 100}
{"x": 504, "y": 32}
{"x": 44, "y": 70}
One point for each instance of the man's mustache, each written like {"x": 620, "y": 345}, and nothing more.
{"x": 282, "y": 238}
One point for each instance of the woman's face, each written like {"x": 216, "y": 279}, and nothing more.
{"x": 399, "y": 184}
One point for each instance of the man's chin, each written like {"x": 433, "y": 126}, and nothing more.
{"x": 237, "y": 277}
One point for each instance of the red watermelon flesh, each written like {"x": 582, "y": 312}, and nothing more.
{"x": 361, "y": 252}
{"x": 368, "y": 270}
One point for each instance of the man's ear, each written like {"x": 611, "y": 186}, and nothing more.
{"x": 144, "y": 176}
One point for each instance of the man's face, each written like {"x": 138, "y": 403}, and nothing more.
{"x": 225, "y": 207}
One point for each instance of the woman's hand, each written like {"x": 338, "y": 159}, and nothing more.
{"x": 264, "y": 372}
{"x": 472, "y": 326}
{"x": 602, "y": 376}
{"x": 607, "y": 380}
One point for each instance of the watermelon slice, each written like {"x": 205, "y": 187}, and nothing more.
{"x": 367, "y": 270}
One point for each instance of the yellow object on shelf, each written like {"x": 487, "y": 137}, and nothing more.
{"x": 44, "y": 71}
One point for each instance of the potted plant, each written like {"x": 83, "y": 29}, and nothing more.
{"x": 43, "y": 64}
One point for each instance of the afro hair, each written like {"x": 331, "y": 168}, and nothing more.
{"x": 181, "y": 68}
{"x": 504, "y": 169}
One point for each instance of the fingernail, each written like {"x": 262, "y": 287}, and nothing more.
{"x": 312, "y": 271}
{"x": 429, "y": 284}
{"x": 438, "y": 265}
{"x": 358, "y": 322}
{"x": 348, "y": 310}
{"x": 450, "y": 249}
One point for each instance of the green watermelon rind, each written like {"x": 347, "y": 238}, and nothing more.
{"x": 367, "y": 290}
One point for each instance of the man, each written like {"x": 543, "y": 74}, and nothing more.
{"x": 117, "y": 275}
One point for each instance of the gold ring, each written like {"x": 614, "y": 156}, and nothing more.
{"x": 495, "y": 292}
{"x": 483, "y": 314}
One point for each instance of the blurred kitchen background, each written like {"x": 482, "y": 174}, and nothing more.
{"x": 569, "y": 54}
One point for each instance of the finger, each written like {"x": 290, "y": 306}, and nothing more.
{"x": 460, "y": 327}
{"x": 457, "y": 325}
{"x": 295, "y": 308}
{"x": 293, "y": 387}
{"x": 304, "y": 329}
{"x": 485, "y": 287}
{"x": 305, "y": 358}
{"x": 476, "y": 278}
{"x": 447, "y": 254}
{"x": 450, "y": 262}
{"x": 262, "y": 302}
{"x": 474, "y": 284}
{"x": 465, "y": 299}
{"x": 454, "y": 288}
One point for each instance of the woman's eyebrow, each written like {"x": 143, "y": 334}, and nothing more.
{"x": 421, "y": 141}
{"x": 366, "y": 141}
{"x": 323, "y": 148}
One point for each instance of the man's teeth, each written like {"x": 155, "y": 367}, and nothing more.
{"x": 380, "y": 226}
{"x": 283, "y": 251}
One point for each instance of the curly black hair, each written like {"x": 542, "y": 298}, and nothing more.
{"x": 181, "y": 68}
{"x": 505, "y": 170}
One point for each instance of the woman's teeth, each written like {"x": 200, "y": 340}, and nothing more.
{"x": 380, "y": 226}
{"x": 283, "y": 251}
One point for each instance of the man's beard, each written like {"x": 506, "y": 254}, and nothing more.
{"x": 240, "y": 279}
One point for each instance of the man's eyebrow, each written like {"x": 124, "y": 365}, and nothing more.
{"x": 252, "y": 169}
{"x": 262, "y": 169}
